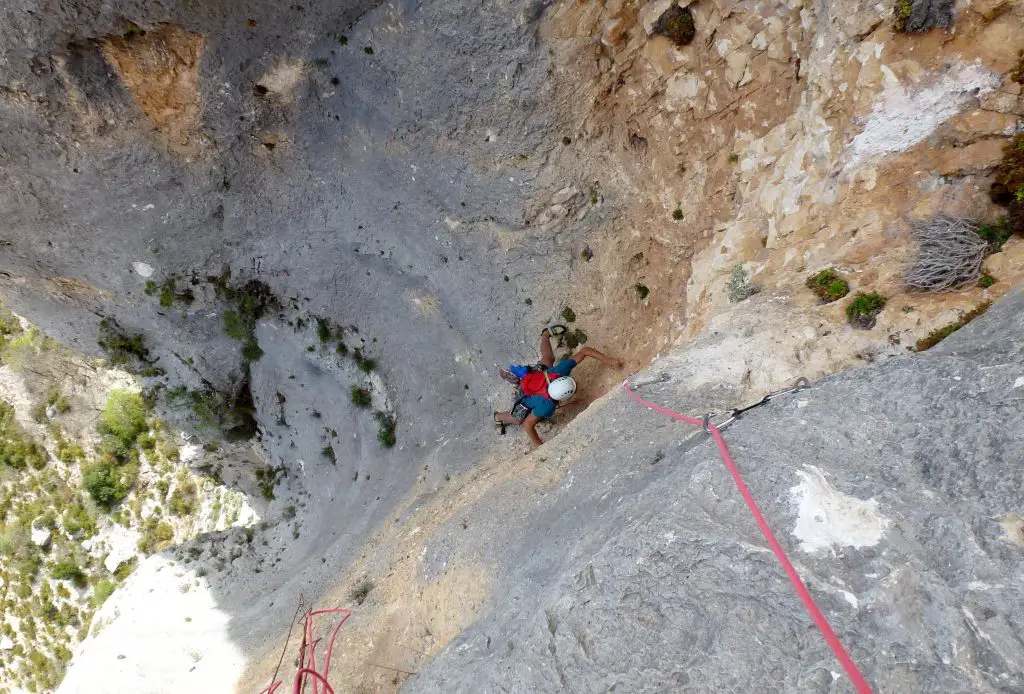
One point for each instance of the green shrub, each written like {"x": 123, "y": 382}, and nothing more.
{"x": 986, "y": 281}
{"x": 124, "y": 416}
{"x": 323, "y": 330}
{"x": 67, "y": 569}
{"x": 152, "y": 288}
{"x": 365, "y": 364}
{"x": 57, "y": 399}
{"x": 642, "y": 291}
{"x": 386, "y": 426}
{"x": 1007, "y": 187}
{"x": 568, "y": 315}
{"x": 266, "y": 479}
{"x": 995, "y": 234}
{"x": 901, "y": 13}
{"x": 936, "y": 336}
{"x": 17, "y": 449}
{"x": 863, "y": 310}
{"x": 38, "y": 413}
{"x": 677, "y": 214}
{"x": 328, "y": 452}
{"x": 122, "y": 348}
{"x": 361, "y": 591}
{"x": 183, "y": 500}
{"x": 251, "y": 351}
{"x": 361, "y": 397}
{"x": 828, "y": 285}
{"x": 107, "y": 482}
{"x": 10, "y": 326}
{"x": 156, "y": 535}
{"x": 167, "y": 294}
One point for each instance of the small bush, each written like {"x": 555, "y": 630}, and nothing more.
{"x": 38, "y": 413}
{"x": 901, "y": 13}
{"x": 341, "y": 348}
{"x": 156, "y": 535}
{"x": 251, "y": 351}
{"x": 936, "y": 336}
{"x": 124, "y": 416}
{"x": 67, "y": 570}
{"x": 122, "y": 348}
{"x": 575, "y": 338}
{"x": 17, "y": 449}
{"x": 183, "y": 500}
{"x": 995, "y": 234}
{"x": 361, "y": 591}
{"x": 642, "y": 291}
{"x": 107, "y": 482}
{"x": 828, "y": 285}
{"x": 167, "y": 294}
{"x": 368, "y": 50}
{"x": 323, "y": 330}
{"x": 385, "y": 429}
{"x": 1008, "y": 183}
{"x": 328, "y": 452}
{"x": 266, "y": 479}
{"x": 863, "y": 310}
{"x": 365, "y": 364}
{"x": 361, "y": 397}
{"x": 58, "y": 400}
{"x": 568, "y": 315}
{"x": 986, "y": 281}
{"x": 734, "y": 158}
{"x": 739, "y": 286}
{"x": 676, "y": 24}
{"x": 677, "y": 214}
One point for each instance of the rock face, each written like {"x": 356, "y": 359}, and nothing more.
{"x": 891, "y": 488}
{"x": 429, "y": 184}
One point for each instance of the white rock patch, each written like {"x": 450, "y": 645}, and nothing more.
{"x": 827, "y": 517}
{"x": 901, "y": 118}
{"x": 143, "y": 269}
{"x": 160, "y": 632}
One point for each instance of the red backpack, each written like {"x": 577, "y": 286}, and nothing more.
{"x": 536, "y": 383}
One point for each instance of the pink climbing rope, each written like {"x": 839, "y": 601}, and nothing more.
{"x": 859, "y": 683}
{"x": 308, "y": 669}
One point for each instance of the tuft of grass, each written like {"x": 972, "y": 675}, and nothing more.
{"x": 936, "y": 336}
{"x": 361, "y": 591}
{"x": 323, "y": 330}
{"x": 863, "y": 310}
{"x": 575, "y": 338}
{"x": 234, "y": 326}
{"x": 107, "y": 482}
{"x": 104, "y": 589}
{"x": 1008, "y": 183}
{"x": 343, "y": 40}
{"x": 828, "y": 285}
{"x": 122, "y": 348}
{"x": 328, "y": 452}
{"x": 677, "y": 214}
{"x": 368, "y": 50}
{"x": 734, "y": 158}
{"x": 986, "y": 281}
{"x": 361, "y": 397}
{"x": 341, "y": 349}
{"x": 156, "y": 535}
{"x": 642, "y": 291}
{"x": 568, "y": 315}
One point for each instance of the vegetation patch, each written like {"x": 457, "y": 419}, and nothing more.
{"x": 361, "y": 397}
{"x": 568, "y": 315}
{"x": 676, "y": 24}
{"x": 575, "y": 338}
{"x": 828, "y": 285}
{"x": 127, "y": 350}
{"x": 996, "y": 234}
{"x": 1008, "y": 183}
{"x": 901, "y": 13}
{"x": 18, "y": 450}
{"x": 863, "y": 311}
{"x": 10, "y": 327}
{"x": 936, "y": 336}
{"x": 386, "y": 426}
{"x": 267, "y": 479}
{"x": 249, "y": 302}
{"x": 986, "y": 281}
{"x": 739, "y": 286}
{"x": 365, "y": 364}
{"x": 642, "y": 291}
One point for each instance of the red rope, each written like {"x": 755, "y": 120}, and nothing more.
{"x": 309, "y": 670}
{"x": 859, "y": 683}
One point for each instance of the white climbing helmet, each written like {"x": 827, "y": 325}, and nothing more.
{"x": 561, "y": 388}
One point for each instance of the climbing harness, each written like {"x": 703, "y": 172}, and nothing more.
{"x": 856, "y": 678}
